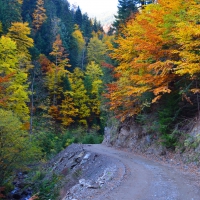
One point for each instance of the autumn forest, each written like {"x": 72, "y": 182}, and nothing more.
{"x": 63, "y": 79}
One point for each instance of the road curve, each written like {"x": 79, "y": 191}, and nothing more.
{"x": 148, "y": 180}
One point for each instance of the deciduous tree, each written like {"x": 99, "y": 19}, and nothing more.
{"x": 16, "y": 88}
{"x": 58, "y": 70}
{"x": 81, "y": 99}
{"x": 39, "y": 15}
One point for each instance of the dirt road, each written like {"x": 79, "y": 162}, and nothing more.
{"x": 148, "y": 180}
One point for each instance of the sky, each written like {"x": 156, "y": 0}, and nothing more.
{"x": 95, "y": 6}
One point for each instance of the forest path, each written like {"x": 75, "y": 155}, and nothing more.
{"x": 148, "y": 180}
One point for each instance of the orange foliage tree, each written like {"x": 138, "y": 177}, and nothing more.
{"x": 39, "y": 15}
{"x": 151, "y": 53}
{"x": 57, "y": 70}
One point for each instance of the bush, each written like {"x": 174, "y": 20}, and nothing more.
{"x": 92, "y": 139}
{"x": 46, "y": 188}
{"x": 169, "y": 140}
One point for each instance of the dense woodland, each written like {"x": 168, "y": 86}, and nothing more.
{"x": 62, "y": 79}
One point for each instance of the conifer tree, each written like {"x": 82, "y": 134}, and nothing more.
{"x": 125, "y": 9}
{"x": 78, "y": 18}
{"x": 10, "y": 11}
{"x": 80, "y": 46}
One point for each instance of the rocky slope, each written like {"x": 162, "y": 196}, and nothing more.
{"x": 137, "y": 138}
{"x": 86, "y": 174}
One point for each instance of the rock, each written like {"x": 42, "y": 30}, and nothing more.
{"x": 85, "y": 158}
{"x": 78, "y": 158}
{"x": 88, "y": 184}
{"x": 160, "y": 151}
{"x": 80, "y": 155}
{"x": 94, "y": 186}
{"x": 75, "y": 189}
{"x": 148, "y": 139}
{"x": 73, "y": 164}
{"x": 82, "y": 182}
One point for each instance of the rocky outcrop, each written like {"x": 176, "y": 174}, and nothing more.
{"x": 21, "y": 190}
{"x": 136, "y": 137}
{"x": 85, "y": 174}
{"x": 128, "y": 135}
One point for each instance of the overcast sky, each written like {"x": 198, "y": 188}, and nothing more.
{"x": 95, "y": 6}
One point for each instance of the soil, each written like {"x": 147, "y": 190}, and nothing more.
{"x": 145, "y": 179}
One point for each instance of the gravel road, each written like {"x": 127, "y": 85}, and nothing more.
{"x": 148, "y": 180}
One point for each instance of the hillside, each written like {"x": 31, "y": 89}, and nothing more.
{"x": 64, "y": 81}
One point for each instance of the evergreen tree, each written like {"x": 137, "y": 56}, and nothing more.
{"x": 78, "y": 17}
{"x": 125, "y": 9}
{"x": 10, "y": 11}
{"x": 86, "y": 26}
{"x": 80, "y": 46}
{"x": 28, "y": 7}
{"x": 97, "y": 26}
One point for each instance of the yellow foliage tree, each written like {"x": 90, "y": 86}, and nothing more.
{"x": 57, "y": 70}
{"x": 19, "y": 32}
{"x": 80, "y": 45}
{"x": 16, "y": 88}
{"x": 67, "y": 109}
{"x": 96, "y": 50}
{"x": 81, "y": 99}
{"x": 39, "y": 15}
{"x": 153, "y": 50}
{"x": 93, "y": 80}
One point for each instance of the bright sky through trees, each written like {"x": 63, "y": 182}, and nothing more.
{"x": 96, "y": 6}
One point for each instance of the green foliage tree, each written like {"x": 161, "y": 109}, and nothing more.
{"x": 86, "y": 26}
{"x": 96, "y": 50}
{"x": 15, "y": 147}
{"x": 94, "y": 75}
{"x": 80, "y": 46}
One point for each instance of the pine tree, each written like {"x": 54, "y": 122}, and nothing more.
{"x": 10, "y": 11}
{"x": 80, "y": 44}
{"x": 86, "y": 26}
{"x": 78, "y": 18}
{"x": 125, "y": 9}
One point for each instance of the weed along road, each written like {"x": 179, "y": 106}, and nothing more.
{"x": 148, "y": 180}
